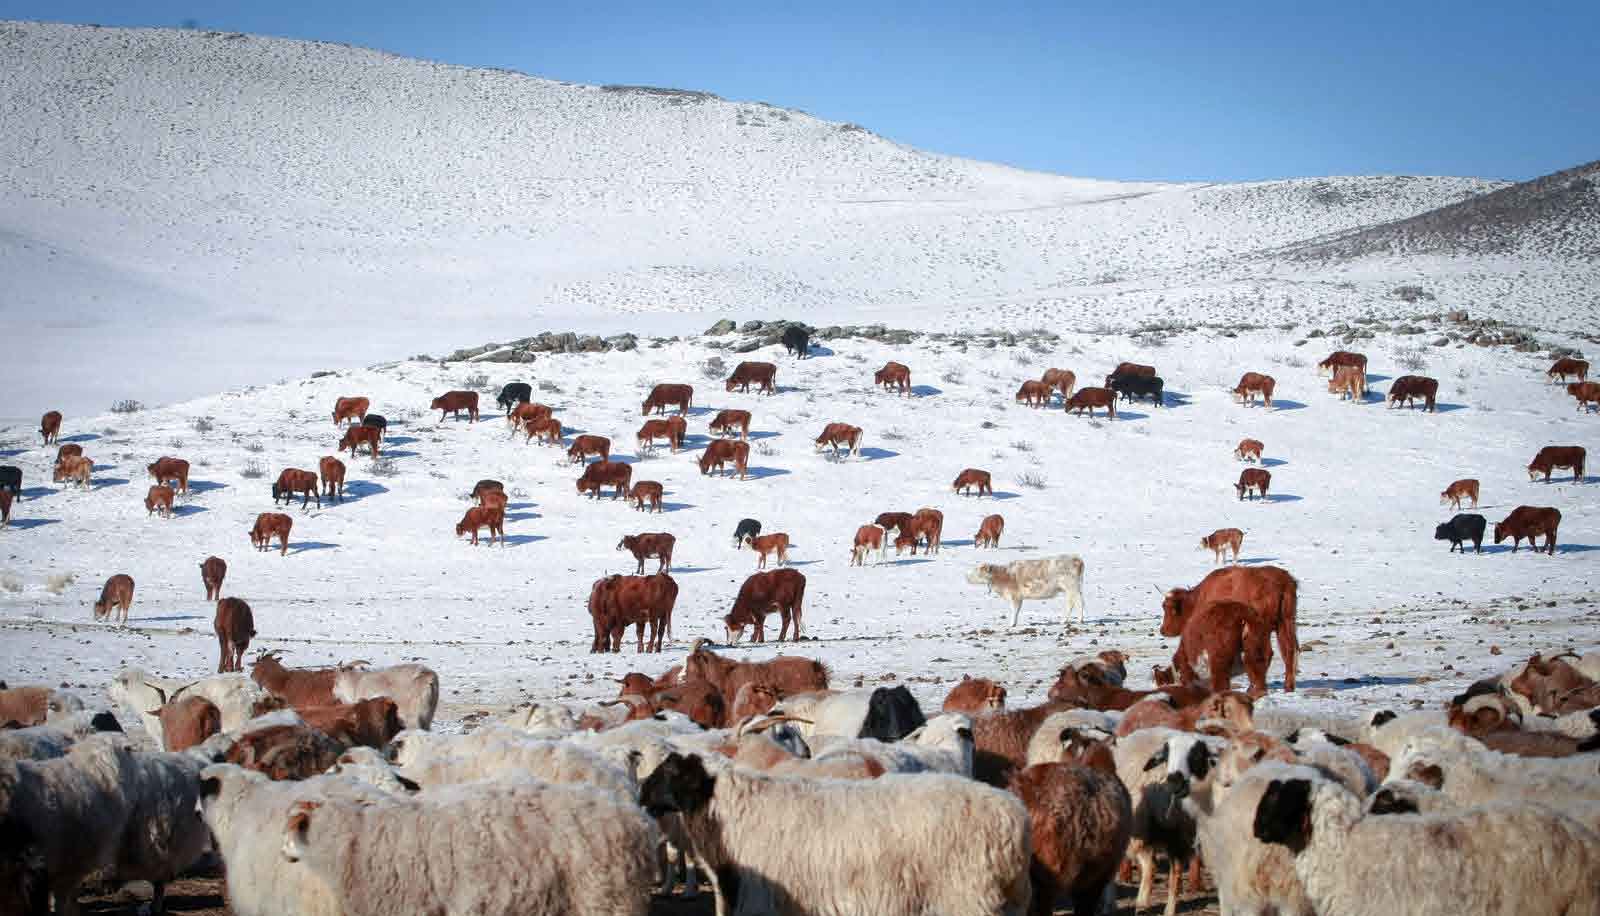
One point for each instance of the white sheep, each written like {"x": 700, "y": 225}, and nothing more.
{"x": 367, "y": 765}
{"x": 1251, "y": 876}
{"x": 543, "y": 720}
{"x": 1160, "y": 767}
{"x": 896, "y": 846}
{"x": 1408, "y": 796}
{"x": 236, "y": 697}
{"x": 1389, "y": 732}
{"x": 1046, "y": 745}
{"x": 1314, "y": 748}
{"x": 414, "y": 689}
{"x": 514, "y": 848}
{"x": 42, "y": 742}
{"x": 1503, "y": 858}
{"x": 942, "y": 745}
{"x": 502, "y": 753}
{"x": 1471, "y": 774}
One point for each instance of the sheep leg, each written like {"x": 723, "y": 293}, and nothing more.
{"x": 158, "y": 898}
{"x": 1146, "y": 860}
{"x": 1174, "y": 885}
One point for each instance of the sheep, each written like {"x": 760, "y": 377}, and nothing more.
{"x": 236, "y": 697}
{"x": 576, "y": 850}
{"x": 295, "y": 751}
{"x": 1081, "y": 821}
{"x": 1408, "y": 796}
{"x": 1160, "y": 767}
{"x": 1230, "y": 707}
{"x": 1471, "y": 774}
{"x": 1251, "y": 876}
{"x": 414, "y": 689}
{"x": 369, "y": 766}
{"x": 1388, "y": 731}
{"x": 885, "y": 713}
{"x": 30, "y": 706}
{"x": 894, "y": 846}
{"x": 1375, "y": 762}
{"x": 560, "y": 762}
{"x": 1002, "y": 740}
{"x": 974, "y": 696}
{"x": 1480, "y": 860}
{"x": 942, "y": 745}
{"x": 1048, "y": 742}
{"x": 543, "y": 720}
{"x": 164, "y": 836}
{"x": 188, "y": 722}
{"x": 44, "y": 742}
{"x": 1490, "y": 714}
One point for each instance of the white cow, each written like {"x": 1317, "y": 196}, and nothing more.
{"x": 1034, "y": 579}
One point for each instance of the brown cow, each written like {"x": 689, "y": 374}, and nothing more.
{"x": 350, "y": 409}
{"x": 1461, "y": 489}
{"x": 269, "y": 524}
{"x": 1408, "y": 388}
{"x": 234, "y": 626}
{"x": 1566, "y": 366}
{"x": 212, "y": 572}
{"x": 1529, "y": 522}
{"x": 1222, "y": 636}
{"x": 356, "y": 435}
{"x": 526, "y": 413}
{"x": 903, "y": 542}
{"x": 1062, "y": 380}
{"x": 548, "y": 431}
{"x": 5, "y": 506}
{"x": 453, "y": 402}
{"x": 116, "y": 594}
{"x": 928, "y": 525}
{"x": 656, "y": 429}
{"x": 486, "y": 486}
{"x": 331, "y": 471}
{"x": 173, "y": 469}
{"x": 762, "y": 374}
{"x": 71, "y": 448}
{"x": 719, "y": 452}
{"x": 989, "y": 532}
{"x": 836, "y": 434}
{"x": 603, "y": 473}
{"x": 617, "y": 601}
{"x": 1586, "y": 393}
{"x": 76, "y": 469}
{"x": 975, "y": 696}
{"x": 893, "y": 520}
{"x": 645, "y": 546}
{"x": 679, "y": 396}
{"x": 478, "y": 517}
{"x": 1219, "y": 541}
{"x": 894, "y": 375}
{"x": 159, "y": 499}
{"x": 1131, "y": 369}
{"x": 1257, "y": 479}
{"x": 1252, "y": 384}
{"x": 769, "y": 543}
{"x": 50, "y": 426}
{"x": 782, "y": 590}
{"x": 1339, "y": 358}
{"x": 1090, "y": 398}
{"x": 868, "y": 538}
{"x": 1034, "y": 394}
{"x": 646, "y": 491}
{"x": 1248, "y": 450}
{"x": 494, "y": 499}
{"x": 1558, "y": 456}
{"x": 786, "y": 674}
{"x": 727, "y": 421}
{"x": 583, "y": 447}
{"x": 1271, "y": 591}
{"x": 969, "y": 478}
{"x": 1350, "y": 383}
{"x": 292, "y": 481}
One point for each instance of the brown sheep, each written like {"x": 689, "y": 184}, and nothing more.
{"x": 1230, "y": 707}
{"x": 367, "y": 723}
{"x": 975, "y": 696}
{"x": 1082, "y": 819}
{"x": 285, "y": 752}
{"x": 1000, "y": 741}
{"x": 187, "y": 721}
{"x": 703, "y": 702}
{"x": 234, "y": 625}
{"x": 212, "y": 572}
{"x": 116, "y": 594}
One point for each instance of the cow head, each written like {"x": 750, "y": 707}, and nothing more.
{"x": 1500, "y": 532}
{"x": 733, "y": 631}
{"x": 982, "y": 574}
{"x": 627, "y": 542}
{"x": 1172, "y": 610}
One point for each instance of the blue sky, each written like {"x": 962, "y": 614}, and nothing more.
{"x": 1180, "y": 90}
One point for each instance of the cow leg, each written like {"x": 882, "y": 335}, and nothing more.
{"x": 1016, "y": 610}
{"x": 1289, "y": 648}
{"x": 638, "y": 634}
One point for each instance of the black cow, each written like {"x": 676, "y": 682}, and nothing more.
{"x": 1465, "y": 527}
{"x": 1137, "y": 386}
{"x": 748, "y": 527}
{"x": 378, "y": 422}
{"x": 797, "y": 340}
{"x": 11, "y": 479}
{"x": 513, "y": 394}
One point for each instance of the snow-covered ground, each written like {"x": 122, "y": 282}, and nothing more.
{"x": 1386, "y": 614}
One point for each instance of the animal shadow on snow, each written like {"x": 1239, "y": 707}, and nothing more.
{"x": 1374, "y": 377}
{"x": 819, "y": 350}
{"x": 1347, "y": 683}
{"x": 397, "y": 453}
{"x": 517, "y": 540}
{"x": 171, "y": 618}
{"x": 1005, "y": 494}
{"x": 205, "y": 486}
{"x": 80, "y": 437}
{"x": 905, "y": 561}
{"x": 675, "y": 507}
{"x": 1249, "y": 560}
{"x": 1273, "y": 462}
{"x": 1279, "y": 405}
{"x": 185, "y": 510}
{"x": 32, "y": 493}
{"x": 763, "y": 473}
{"x": 1275, "y": 498}
{"x": 796, "y": 563}
{"x": 101, "y": 483}
{"x": 689, "y": 570}
{"x": 1447, "y": 408}
{"x": 693, "y": 412}
{"x": 925, "y": 391}
{"x": 523, "y": 516}
{"x": 11, "y": 452}
{"x": 1130, "y": 415}
{"x": 763, "y": 434}
{"x": 357, "y": 490}
{"x": 1576, "y": 548}
{"x": 1555, "y": 480}
{"x": 25, "y": 523}
{"x": 877, "y": 454}
{"x": 963, "y": 542}
{"x": 303, "y": 546}
{"x": 400, "y": 440}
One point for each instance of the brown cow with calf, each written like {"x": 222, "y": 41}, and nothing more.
{"x": 212, "y": 572}
{"x": 762, "y": 375}
{"x": 1348, "y": 382}
{"x": 1219, "y": 637}
{"x": 453, "y": 402}
{"x": 1219, "y": 542}
{"x": 269, "y": 525}
{"x": 617, "y": 601}
{"x": 585, "y": 447}
{"x": 782, "y": 590}
{"x": 927, "y": 525}
{"x": 548, "y": 431}
{"x": 1268, "y": 591}
{"x": 646, "y": 493}
{"x": 1253, "y": 480}
{"x": 1408, "y": 388}
{"x": 354, "y": 409}
{"x": 785, "y": 675}
{"x": 74, "y": 469}
{"x": 1344, "y": 358}
{"x": 234, "y": 625}
{"x": 1252, "y": 384}
{"x": 1062, "y": 380}
{"x": 895, "y": 376}
{"x": 167, "y": 469}
{"x": 989, "y": 532}
{"x": 485, "y": 486}
{"x": 667, "y": 395}
{"x": 1530, "y": 522}
{"x": 1466, "y": 488}
{"x": 527, "y": 412}
{"x": 331, "y": 472}
{"x": 479, "y": 517}
{"x": 1568, "y": 365}
{"x": 1087, "y": 399}
{"x": 720, "y": 451}
{"x": 355, "y": 436}
{"x": 603, "y": 474}
{"x": 69, "y": 449}
{"x": 727, "y": 421}
{"x": 645, "y": 546}
{"x": 1552, "y": 457}
{"x": 159, "y": 499}
{"x": 50, "y": 426}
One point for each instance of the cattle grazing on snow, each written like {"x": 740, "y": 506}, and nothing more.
{"x": 1530, "y": 522}
{"x": 1585, "y": 393}
{"x": 512, "y": 394}
{"x": 646, "y": 495}
{"x": 1087, "y": 399}
{"x": 604, "y": 474}
{"x": 1221, "y": 637}
{"x": 331, "y": 472}
{"x": 747, "y": 527}
{"x": 617, "y": 601}
{"x": 1138, "y": 386}
{"x": 1253, "y": 480}
{"x": 1407, "y": 388}
{"x": 74, "y": 469}
{"x": 548, "y": 430}
{"x": 50, "y": 426}
{"x": 781, "y": 590}
{"x": 212, "y": 572}
{"x": 1219, "y": 542}
{"x": 378, "y": 422}
{"x": 1248, "y": 450}
{"x": 479, "y": 517}
{"x": 350, "y": 409}
{"x": 1462, "y": 528}
{"x": 652, "y": 430}
{"x": 777, "y": 543}
{"x": 5, "y": 507}
{"x": 355, "y": 436}
{"x": 868, "y": 538}
{"x": 1558, "y": 456}
{"x": 585, "y": 447}
{"x": 894, "y": 375}
{"x": 1062, "y": 380}
{"x": 1340, "y": 358}
{"x": 1270, "y": 591}
{"x": 797, "y": 341}
{"x": 1036, "y": 580}
{"x": 115, "y": 595}
{"x": 486, "y": 486}
{"x": 453, "y": 402}
{"x": 667, "y": 395}
{"x": 1130, "y": 369}
{"x": 891, "y": 521}
{"x": 719, "y": 452}
{"x": 524, "y": 415}
{"x": 159, "y": 499}
{"x": 972, "y": 477}
{"x": 292, "y": 481}
{"x": 1252, "y": 384}
{"x": 1348, "y": 382}
{"x": 1034, "y": 393}
{"x": 175, "y": 470}
{"x": 269, "y": 525}
{"x": 989, "y": 532}
{"x": 644, "y": 546}
{"x": 837, "y": 434}
{"x": 1566, "y": 366}
{"x": 762, "y": 375}
{"x": 234, "y": 626}
{"x": 728, "y": 421}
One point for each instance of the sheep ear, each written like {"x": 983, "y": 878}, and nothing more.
{"x": 407, "y": 784}
{"x": 1429, "y": 774}
{"x": 1159, "y": 759}
{"x": 210, "y": 787}
{"x": 294, "y": 833}
{"x": 1283, "y": 815}
{"x": 1382, "y": 717}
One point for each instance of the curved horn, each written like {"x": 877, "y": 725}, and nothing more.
{"x": 273, "y": 754}
{"x": 159, "y": 692}
{"x": 699, "y": 641}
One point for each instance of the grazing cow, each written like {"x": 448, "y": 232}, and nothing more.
{"x": 350, "y": 409}
{"x": 1464, "y": 527}
{"x": 727, "y": 421}
{"x": 1566, "y": 366}
{"x": 586, "y": 446}
{"x": 356, "y": 435}
{"x": 1130, "y": 369}
{"x": 1558, "y": 456}
{"x": 781, "y": 590}
{"x": 512, "y": 394}
{"x": 1253, "y": 479}
{"x": 453, "y": 402}
{"x": 173, "y": 469}
{"x": 1252, "y": 384}
{"x": 292, "y": 481}
{"x": 116, "y": 594}
{"x": 604, "y": 473}
{"x": 719, "y": 452}
{"x": 1138, "y": 386}
{"x": 486, "y": 486}
{"x": 212, "y": 572}
{"x": 1062, "y": 380}
{"x": 524, "y": 414}
{"x": 234, "y": 626}
{"x": 617, "y": 601}
{"x": 1090, "y": 398}
{"x": 5, "y": 507}
{"x": 837, "y": 434}
{"x": 1024, "y": 580}
{"x": 269, "y": 524}
{"x": 797, "y": 340}
{"x": 927, "y": 525}
{"x": 868, "y": 538}
{"x": 769, "y": 543}
{"x": 70, "y": 448}
{"x": 494, "y": 499}
{"x": 1339, "y": 358}
{"x": 1529, "y": 522}
{"x": 1248, "y": 450}
{"x": 904, "y": 542}
{"x": 478, "y": 517}
{"x": 548, "y": 430}
{"x": 1585, "y": 393}
{"x": 657, "y": 429}
{"x": 11, "y": 477}
{"x": 645, "y": 546}
{"x": 331, "y": 470}
{"x": 1221, "y": 637}
{"x": 989, "y": 532}
{"x": 972, "y": 477}
{"x": 159, "y": 499}
{"x": 646, "y": 491}
{"x": 1408, "y": 388}
{"x": 50, "y": 426}
{"x": 76, "y": 469}
{"x": 1034, "y": 394}
{"x": 761, "y": 374}
{"x": 1270, "y": 591}
{"x": 748, "y": 527}
{"x": 1348, "y": 382}
{"x": 378, "y": 422}
{"x": 890, "y": 521}
{"x": 894, "y": 375}
{"x": 1220, "y": 541}
{"x": 1462, "y": 489}
{"x": 664, "y": 395}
